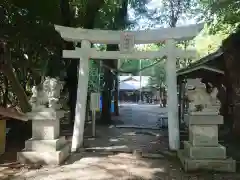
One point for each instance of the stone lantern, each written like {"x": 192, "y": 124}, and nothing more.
{"x": 46, "y": 146}
{"x": 203, "y": 151}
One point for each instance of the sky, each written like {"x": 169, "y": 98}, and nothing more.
{"x": 153, "y": 4}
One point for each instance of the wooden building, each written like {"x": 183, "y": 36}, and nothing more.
{"x": 130, "y": 88}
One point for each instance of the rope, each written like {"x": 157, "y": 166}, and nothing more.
{"x": 114, "y": 70}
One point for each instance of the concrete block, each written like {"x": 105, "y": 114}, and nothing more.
{"x": 222, "y": 165}
{"x": 194, "y": 152}
{"x": 45, "y": 130}
{"x": 45, "y": 158}
{"x": 203, "y": 135}
{"x": 45, "y": 145}
{"x": 203, "y": 119}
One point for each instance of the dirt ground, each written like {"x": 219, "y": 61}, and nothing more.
{"x": 116, "y": 154}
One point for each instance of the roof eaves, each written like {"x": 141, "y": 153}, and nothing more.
{"x": 201, "y": 67}
{"x": 203, "y": 60}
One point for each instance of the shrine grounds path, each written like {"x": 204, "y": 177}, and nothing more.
{"x": 122, "y": 151}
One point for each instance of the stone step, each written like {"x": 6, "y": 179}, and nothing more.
{"x": 49, "y": 158}
{"x": 196, "y": 152}
{"x": 45, "y": 145}
{"x": 223, "y": 165}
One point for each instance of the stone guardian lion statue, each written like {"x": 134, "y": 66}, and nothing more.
{"x": 200, "y": 100}
{"x": 47, "y": 94}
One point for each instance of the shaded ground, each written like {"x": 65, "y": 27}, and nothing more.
{"x": 121, "y": 166}
{"x": 129, "y": 139}
{"x": 118, "y": 153}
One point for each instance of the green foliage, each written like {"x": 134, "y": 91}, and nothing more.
{"x": 158, "y": 77}
{"x": 134, "y": 67}
{"x": 113, "y": 15}
{"x": 94, "y": 78}
{"x": 35, "y": 47}
{"x": 222, "y": 15}
{"x": 207, "y": 43}
{"x": 130, "y": 65}
{"x": 27, "y": 27}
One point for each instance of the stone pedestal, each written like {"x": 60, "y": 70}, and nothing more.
{"x": 45, "y": 146}
{"x": 202, "y": 151}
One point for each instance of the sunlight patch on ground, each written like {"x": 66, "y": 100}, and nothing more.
{"x": 108, "y": 148}
{"x": 115, "y": 139}
{"x": 120, "y": 166}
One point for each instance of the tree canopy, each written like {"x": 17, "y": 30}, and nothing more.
{"x": 35, "y": 48}
{"x": 221, "y": 15}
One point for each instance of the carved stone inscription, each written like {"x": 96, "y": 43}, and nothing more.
{"x": 203, "y": 135}
{"x": 127, "y": 42}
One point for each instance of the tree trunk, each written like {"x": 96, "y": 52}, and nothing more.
{"x": 228, "y": 117}
{"x": 17, "y": 88}
{"x": 71, "y": 79}
{"x": 164, "y": 97}
{"x": 5, "y": 95}
{"x": 116, "y": 108}
{"x": 116, "y": 86}
{"x": 158, "y": 94}
{"x": 108, "y": 86}
{"x": 8, "y": 71}
{"x": 231, "y": 49}
{"x": 87, "y": 22}
{"x": 121, "y": 20}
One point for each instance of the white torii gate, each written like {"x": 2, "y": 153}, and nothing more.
{"x": 127, "y": 40}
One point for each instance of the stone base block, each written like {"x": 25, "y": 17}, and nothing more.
{"x": 224, "y": 165}
{"x": 45, "y": 129}
{"x": 203, "y": 119}
{"x": 45, "y": 145}
{"x": 203, "y": 135}
{"x": 197, "y": 152}
{"x": 43, "y": 113}
{"x": 45, "y": 158}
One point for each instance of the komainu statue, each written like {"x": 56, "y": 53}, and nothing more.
{"x": 200, "y": 100}
{"x": 47, "y": 94}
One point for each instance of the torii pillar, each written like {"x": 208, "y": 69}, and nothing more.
{"x": 135, "y": 37}
{"x": 80, "y": 111}
{"x": 172, "y": 100}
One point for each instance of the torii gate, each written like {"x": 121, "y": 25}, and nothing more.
{"x": 127, "y": 40}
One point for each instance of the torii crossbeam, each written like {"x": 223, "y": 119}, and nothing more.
{"x": 86, "y": 37}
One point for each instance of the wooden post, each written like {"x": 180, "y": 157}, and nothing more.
{"x": 172, "y": 99}
{"x": 93, "y": 123}
{"x": 182, "y": 96}
{"x": 179, "y": 101}
{"x": 2, "y": 136}
{"x": 83, "y": 75}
